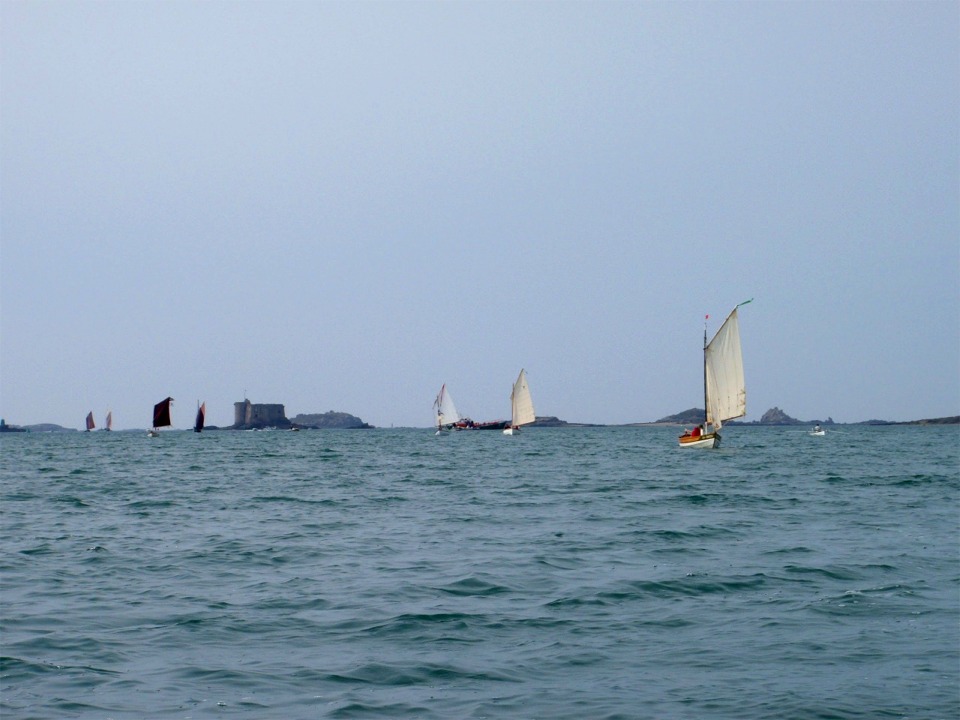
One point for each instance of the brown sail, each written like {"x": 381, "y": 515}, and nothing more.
{"x": 161, "y": 413}
{"x": 201, "y": 414}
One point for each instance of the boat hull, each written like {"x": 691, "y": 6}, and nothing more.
{"x": 709, "y": 440}
{"x": 467, "y": 424}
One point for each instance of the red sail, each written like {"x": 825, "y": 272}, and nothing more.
{"x": 90, "y": 425}
{"x": 161, "y": 413}
{"x": 201, "y": 412}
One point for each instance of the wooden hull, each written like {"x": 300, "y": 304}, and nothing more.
{"x": 471, "y": 425}
{"x": 709, "y": 440}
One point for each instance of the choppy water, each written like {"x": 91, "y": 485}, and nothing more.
{"x": 576, "y": 573}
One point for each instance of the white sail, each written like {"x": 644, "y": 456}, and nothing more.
{"x": 446, "y": 411}
{"x": 521, "y": 403}
{"x": 725, "y": 391}
{"x": 109, "y": 423}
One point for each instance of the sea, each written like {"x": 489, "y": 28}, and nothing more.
{"x": 583, "y": 573}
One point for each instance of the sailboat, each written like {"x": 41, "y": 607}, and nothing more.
{"x": 724, "y": 392}
{"x": 90, "y": 425}
{"x": 447, "y": 415}
{"x": 449, "y": 419}
{"x": 521, "y": 405}
{"x": 201, "y": 414}
{"x": 161, "y": 416}
{"x": 108, "y": 423}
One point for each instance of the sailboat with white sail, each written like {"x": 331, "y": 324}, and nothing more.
{"x": 447, "y": 415}
{"x": 161, "y": 416}
{"x": 108, "y": 423}
{"x": 724, "y": 390}
{"x": 521, "y": 405}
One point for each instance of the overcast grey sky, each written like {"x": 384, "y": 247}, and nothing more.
{"x": 344, "y": 205}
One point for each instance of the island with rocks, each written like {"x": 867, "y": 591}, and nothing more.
{"x": 777, "y": 417}
{"x": 259, "y": 416}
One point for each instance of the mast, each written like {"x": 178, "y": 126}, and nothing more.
{"x": 706, "y": 402}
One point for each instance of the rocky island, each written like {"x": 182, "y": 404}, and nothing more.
{"x": 777, "y": 417}
{"x": 257, "y": 416}
{"x": 330, "y": 420}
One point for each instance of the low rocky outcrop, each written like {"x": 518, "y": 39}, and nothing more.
{"x": 776, "y": 416}
{"x": 330, "y": 420}
{"x": 693, "y": 416}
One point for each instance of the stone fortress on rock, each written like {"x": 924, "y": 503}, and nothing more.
{"x": 258, "y": 416}
{"x": 250, "y": 416}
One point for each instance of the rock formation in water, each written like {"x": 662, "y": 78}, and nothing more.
{"x": 330, "y": 420}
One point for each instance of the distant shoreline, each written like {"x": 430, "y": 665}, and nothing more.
{"x": 928, "y": 422}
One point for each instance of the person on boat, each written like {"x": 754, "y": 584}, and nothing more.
{"x": 696, "y": 431}
{"x": 816, "y": 428}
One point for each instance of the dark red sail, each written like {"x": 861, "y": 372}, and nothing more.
{"x": 161, "y": 413}
{"x": 201, "y": 412}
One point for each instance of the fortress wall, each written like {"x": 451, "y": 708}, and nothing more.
{"x": 241, "y": 413}
{"x": 246, "y": 414}
{"x": 267, "y": 414}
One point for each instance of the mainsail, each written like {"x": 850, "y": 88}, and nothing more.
{"x": 726, "y": 394}
{"x": 108, "y": 425}
{"x": 446, "y": 410}
{"x": 90, "y": 425}
{"x": 201, "y": 414}
{"x": 521, "y": 403}
{"x": 161, "y": 413}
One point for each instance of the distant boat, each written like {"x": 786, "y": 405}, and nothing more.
{"x": 817, "y": 430}
{"x": 161, "y": 416}
{"x": 447, "y": 415}
{"x": 90, "y": 425}
{"x": 201, "y": 413}
{"x": 108, "y": 423}
{"x": 724, "y": 391}
{"x": 449, "y": 419}
{"x": 521, "y": 405}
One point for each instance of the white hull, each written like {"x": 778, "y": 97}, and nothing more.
{"x": 711, "y": 440}
{"x": 818, "y": 432}
{"x": 510, "y": 431}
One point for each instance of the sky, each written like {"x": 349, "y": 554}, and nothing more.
{"x": 342, "y": 206}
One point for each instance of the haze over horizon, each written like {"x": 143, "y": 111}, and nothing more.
{"x": 342, "y": 206}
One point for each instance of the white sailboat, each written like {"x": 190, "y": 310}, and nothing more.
{"x": 724, "y": 391}
{"x": 521, "y": 405}
{"x": 108, "y": 424}
{"x": 447, "y": 415}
